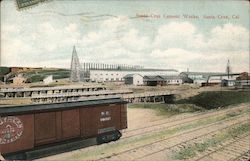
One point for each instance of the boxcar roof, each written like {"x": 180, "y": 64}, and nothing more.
{"x": 34, "y": 108}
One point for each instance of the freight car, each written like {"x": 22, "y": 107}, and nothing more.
{"x": 24, "y": 128}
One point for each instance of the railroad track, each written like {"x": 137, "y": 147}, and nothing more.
{"x": 177, "y": 122}
{"x": 243, "y": 157}
{"x": 237, "y": 149}
{"x": 145, "y": 151}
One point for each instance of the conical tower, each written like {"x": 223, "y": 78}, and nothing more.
{"x": 76, "y": 74}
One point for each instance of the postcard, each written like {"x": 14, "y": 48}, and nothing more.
{"x": 124, "y": 80}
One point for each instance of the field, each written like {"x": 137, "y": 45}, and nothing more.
{"x": 206, "y": 126}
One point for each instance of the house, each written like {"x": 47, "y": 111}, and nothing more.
{"x": 135, "y": 79}
{"x": 48, "y": 79}
{"x": 19, "y": 80}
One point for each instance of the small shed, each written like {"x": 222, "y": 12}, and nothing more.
{"x": 153, "y": 80}
{"x": 135, "y": 79}
{"x": 199, "y": 81}
{"x": 228, "y": 82}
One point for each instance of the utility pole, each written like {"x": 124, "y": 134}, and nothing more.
{"x": 228, "y": 69}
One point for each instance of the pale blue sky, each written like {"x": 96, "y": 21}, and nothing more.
{"x": 108, "y": 32}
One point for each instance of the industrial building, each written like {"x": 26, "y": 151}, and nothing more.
{"x": 202, "y": 78}
{"x": 112, "y": 75}
{"x": 198, "y": 75}
{"x": 161, "y": 80}
{"x": 100, "y": 72}
{"x": 135, "y": 79}
{"x": 243, "y": 81}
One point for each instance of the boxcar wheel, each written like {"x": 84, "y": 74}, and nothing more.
{"x": 108, "y": 137}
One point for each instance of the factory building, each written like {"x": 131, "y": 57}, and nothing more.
{"x": 117, "y": 75}
{"x": 175, "y": 80}
{"x": 243, "y": 81}
{"x": 135, "y": 79}
{"x": 100, "y": 72}
{"x": 198, "y": 75}
{"x": 162, "y": 80}
{"x": 210, "y": 78}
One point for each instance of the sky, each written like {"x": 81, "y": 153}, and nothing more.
{"x": 198, "y": 35}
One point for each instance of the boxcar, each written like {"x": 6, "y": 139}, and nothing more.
{"x": 25, "y": 127}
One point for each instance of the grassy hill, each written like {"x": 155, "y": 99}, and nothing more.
{"x": 37, "y": 76}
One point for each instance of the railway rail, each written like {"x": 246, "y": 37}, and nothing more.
{"x": 243, "y": 157}
{"x": 147, "y": 150}
{"x": 234, "y": 150}
{"x": 163, "y": 124}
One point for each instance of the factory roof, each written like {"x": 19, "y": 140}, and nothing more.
{"x": 170, "y": 77}
{"x": 160, "y": 77}
{"x": 139, "y": 69}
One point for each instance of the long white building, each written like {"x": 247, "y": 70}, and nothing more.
{"x": 110, "y": 75}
